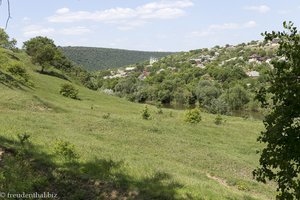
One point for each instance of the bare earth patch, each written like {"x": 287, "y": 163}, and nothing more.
{"x": 219, "y": 180}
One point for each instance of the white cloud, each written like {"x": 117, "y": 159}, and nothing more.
{"x": 261, "y": 8}
{"x": 35, "y": 30}
{"x": 250, "y": 24}
{"x": 126, "y": 16}
{"x": 63, "y": 11}
{"x": 217, "y": 28}
{"x": 79, "y": 30}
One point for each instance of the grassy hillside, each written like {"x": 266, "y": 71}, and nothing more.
{"x": 103, "y": 58}
{"x": 121, "y": 156}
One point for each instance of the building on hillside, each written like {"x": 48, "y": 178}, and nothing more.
{"x": 153, "y": 60}
{"x": 144, "y": 75}
{"x": 130, "y": 68}
{"x": 257, "y": 57}
{"x": 253, "y": 74}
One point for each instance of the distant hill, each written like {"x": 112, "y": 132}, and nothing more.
{"x": 93, "y": 59}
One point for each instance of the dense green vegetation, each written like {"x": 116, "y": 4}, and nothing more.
{"x": 280, "y": 159}
{"x": 93, "y": 59}
{"x": 101, "y": 147}
{"x": 219, "y": 80}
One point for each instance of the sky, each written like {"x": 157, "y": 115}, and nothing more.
{"x": 148, "y": 25}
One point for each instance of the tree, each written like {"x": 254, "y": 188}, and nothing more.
{"x": 34, "y": 44}
{"x": 236, "y": 97}
{"x": 5, "y": 42}
{"x": 44, "y": 56}
{"x": 68, "y": 90}
{"x": 280, "y": 159}
{"x": 41, "y": 49}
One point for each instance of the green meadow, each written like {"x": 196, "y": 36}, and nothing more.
{"x": 121, "y": 155}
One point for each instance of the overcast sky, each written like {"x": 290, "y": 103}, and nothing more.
{"x": 157, "y": 25}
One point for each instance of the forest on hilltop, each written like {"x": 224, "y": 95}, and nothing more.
{"x": 92, "y": 58}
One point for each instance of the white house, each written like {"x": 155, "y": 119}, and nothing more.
{"x": 153, "y": 60}
{"x": 253, "y": 74}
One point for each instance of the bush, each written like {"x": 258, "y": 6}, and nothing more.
{"x": 65, "y": 150}
{"x": 19, "y": 71}
{"x": 159, "y": 108}
{"x": 106, "y": 116}
{"x": 145, "y": 113}
{"x": 193, "y": 116}
{"x": 23, "y": 138}
{"x": 218, "y": 120}
{"x": 68, "y": 90}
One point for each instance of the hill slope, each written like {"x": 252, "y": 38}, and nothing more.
{"x": 121, "y": 155}
{"x": 92, "y": 58}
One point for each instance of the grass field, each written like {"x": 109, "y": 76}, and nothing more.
{"x": 160, "y": 158}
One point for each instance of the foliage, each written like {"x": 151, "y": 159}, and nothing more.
{"x": 44, "y": 52}
{"x": 173, "y": 147}
{"x": 103, "y": 58}
{"x": 219, "y": 83}
{"x": 41, "y": 49}
{"x": 106, "y": 116}
{"x": 159, "y": 111}
{"x": 33, "y": 45}
{"x": 279, "y": 159}
{"x": 193, "y": 116}
{"x": 19, "y": 71}
{"x": 65, "y": 150}
{"x": 237, "y": 97}
{"x": 145, "y": 113}
{"x": 218, "y": 120}
{"x": 23, "y": 138}
{"x": 68, "y": 90}
{"x": 5, "y": 42}
{"x": 44, "y": 56}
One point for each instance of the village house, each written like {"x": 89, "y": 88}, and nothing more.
{"x": 153, "y": 60}
{"x": 128, "y": 69}
{"x": 253, "y": 74}
{"x": 144, "y": 75}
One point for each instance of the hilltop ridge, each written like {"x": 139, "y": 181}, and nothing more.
{"x": 96, "y": 58}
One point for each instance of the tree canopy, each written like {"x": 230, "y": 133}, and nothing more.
{"x": 280, "y": 159}
{"x": 5, "y": 42}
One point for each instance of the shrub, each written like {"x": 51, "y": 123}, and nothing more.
{"x": 242, "y": 187}
{"x": 19, "y": 71}
{"x": 106, "y": 116}
{"x": 145, "y": 113}
{"x": 160, "y": 111}
{"x": 23, "y": 138}
{"x": 218, "y": 120}
{"x": 159, "y": 108}
{"x": 65, "y": 150}
{"x": 193, "y": 116}
{"x": 68, "y": 90}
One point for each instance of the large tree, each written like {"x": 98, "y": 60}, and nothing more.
{"x": 280, "y": 158}
{"x": 42, "y": 50}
